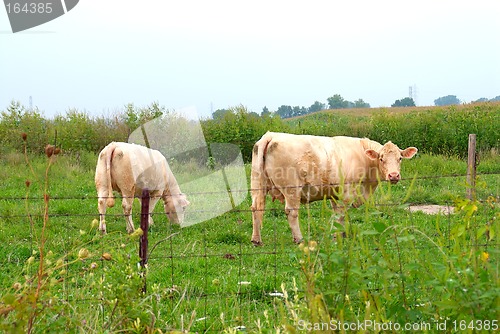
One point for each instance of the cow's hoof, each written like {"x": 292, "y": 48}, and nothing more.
{"x": 298, "y": 241}
{"x": 257, "y": 243}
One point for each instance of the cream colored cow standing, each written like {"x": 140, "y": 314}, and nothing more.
{"x": 130, "y": 168}
{"x": 301, "y": 169}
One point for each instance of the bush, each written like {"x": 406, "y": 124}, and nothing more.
{"x": 437, "y": 130}
{"x": 241, "y": 128}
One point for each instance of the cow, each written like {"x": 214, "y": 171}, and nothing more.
{"x": 299, "y": 169}
{"x": 130, "y": 168}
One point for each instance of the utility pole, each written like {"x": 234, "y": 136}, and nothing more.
{"x": 412, "y": 93}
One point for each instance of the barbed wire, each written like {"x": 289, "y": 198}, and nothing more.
{"x": 95, "y": 197}
{"x": 235, "y": 210}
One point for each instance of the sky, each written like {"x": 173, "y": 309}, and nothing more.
{"x": 104, "y": 54}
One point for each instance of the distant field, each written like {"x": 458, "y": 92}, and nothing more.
{"x": 398, "y": 110}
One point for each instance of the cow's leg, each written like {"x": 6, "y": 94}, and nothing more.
{"x": 101, "y": 204}
{"x": 152, "y": 204}
{"x": 127, "y": 202}
{"x": 258, "y": 206}
{"x": 292, "y": 205}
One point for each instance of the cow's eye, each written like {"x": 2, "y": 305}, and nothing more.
{"x": 381, "y": 160}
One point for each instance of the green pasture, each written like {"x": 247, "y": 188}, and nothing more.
{"x": 391, "y": 266}
{"x": 386, "y": 264}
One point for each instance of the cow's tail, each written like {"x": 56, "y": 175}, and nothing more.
{"x": 258, "y": 181}
{"x": 258, "y": 186}
{"x": 110, "y": 200}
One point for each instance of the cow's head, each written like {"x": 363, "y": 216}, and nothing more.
{"x": 389, "y": 160}
{"x": 175, "y": 205}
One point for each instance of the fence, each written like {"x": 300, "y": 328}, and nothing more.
{"x": 209, "y": 278}
{"x": 166, "y": 264}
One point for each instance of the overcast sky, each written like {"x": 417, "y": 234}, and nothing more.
{"x": 214, "y": 54}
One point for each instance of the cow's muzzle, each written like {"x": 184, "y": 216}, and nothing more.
{"x": 394, "y": 177}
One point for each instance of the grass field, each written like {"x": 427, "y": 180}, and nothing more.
{"x": 392, "y": 266}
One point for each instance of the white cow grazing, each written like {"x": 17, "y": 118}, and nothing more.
{"x": 301, "y": 169}
{"x": 130, "y": 168}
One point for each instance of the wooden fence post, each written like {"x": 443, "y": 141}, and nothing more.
{"x": 143, "y": 240}
{"x": 471, "y": 168}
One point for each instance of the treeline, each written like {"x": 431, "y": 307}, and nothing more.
{"x": 338, "y": 102}
{"x": 286, "y": 111}
{"x": 438, "y": 130}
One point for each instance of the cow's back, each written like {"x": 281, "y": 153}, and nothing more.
{"x": 139, "y": 167}
{"x": 317, "y": 158}
{"x": 316, "y": 163}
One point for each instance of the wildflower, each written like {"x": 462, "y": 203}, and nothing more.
{"x": 94, "y": 224}
{"x": 306, "y": 250}
{"x": 17, "y": 286}
{"x": 31, "y": 260}
{"x": 137, "y": 233}
{"x": 49, "y": 150}
{"x": 28, "y": 183}
{"x": 485, "y": 256}
{"x": 83, "y": 254}
{"x": 106, "y": 256}
{"x": 93, "y": 265}
{"x": 312, "y": 245}
{"x": 24, "y": 136}
{"x": 215, "y": 281}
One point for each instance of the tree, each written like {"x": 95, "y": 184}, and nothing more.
{"x": 265, "y": 112}
{"x": 482, "y": 99}
{"x": 298, "y": 111}
{"x": 406, "y": 102}
{"x": 316, "y": 106}
{"x": 337, "y": 102}
{"x": 361, "y": 104}
{"x": 285, "y": 111}
{"x": 497, "y": 98}
{"x": 446, "y": 100}
{"x": 219, "y": 113}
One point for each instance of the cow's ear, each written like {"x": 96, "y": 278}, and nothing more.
{"x": 409, "y": 152}
{"x": 372, "y": 154}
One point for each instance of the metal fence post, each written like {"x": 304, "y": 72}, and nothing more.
{"x": 471, "y": 168}
{"x": 143, "y": 240}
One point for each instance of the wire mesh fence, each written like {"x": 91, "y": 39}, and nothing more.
{"x": 208, "y": 276}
